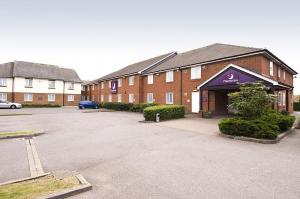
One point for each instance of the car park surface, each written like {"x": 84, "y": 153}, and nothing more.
{"x": 123, "y": 158}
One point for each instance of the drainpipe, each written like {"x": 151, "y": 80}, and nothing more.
{"x": 181, "y": 86}
{"x": 63, "y": 93}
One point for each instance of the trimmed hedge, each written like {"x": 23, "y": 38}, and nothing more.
{"x": 40, "y": 105}
{"x": 118, "y": 106}
{"x": 267, "y": 127}
{"x": 296, "y": 106}
{"x": 166, "y": 112}
{"x": 140, "y": 107}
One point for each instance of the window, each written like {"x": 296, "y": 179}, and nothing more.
{"x": 93, "y": 87}
{"x": 169, "y": 76}
{"x": 283, "y": 74}
{"x": 51, "y": 84}
{"x": 283, "y": 98}
{"x": 109, "y": 84}
{"x": 51, "y": 97}
{"x": 131, "y": 80}
{"x": 119, "y": 97}
{"x": 150, "y": 79}
{"x": 279, "y": 98}
{"x": 119, "y": 82}
{"x": 102, "y": 98}
{"x": 3, "y": 82}
{"x": 271, "y": 68}
{"x": 71, "y": 98}
{"x": 169, "y": 98}
{"x": 28, "y": 97}
{"x": 149, "y": 97}
{"x": 83, "y": 88}
{"x": 110, "y": 98}
{"x": 93, "y": 98}
{"x": 196, "y": 72}
{"x": 3, "y": 96}
{"x": 71, "y": 86}
{"x": 131, "y": 98}
{"x": 88, "y": 87}
{"x": 28, "y": 83}
{"x": 102, "y": 85}
{"x": 278, "y": 72}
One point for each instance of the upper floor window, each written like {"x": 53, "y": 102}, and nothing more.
{"x": 102, "y": 85}
{"x": 271, "y": 68}
{"x": 131, "y": 80}
{"x": 71, "y": 86}
{"x": 3, "y": 82}
{"x": 51, "y": 97}
{"x": 150, "y": 79}
{"x": 149, "y": 97}
{"x": 283, "y": 74}
{"x": 169, "y": 98}
{"x": 93, "y": 87}
{"x": 196, "y": 72}
{"x": 120, "y": 82}
{"x": 83, "y": 88}
{"x": 28, "y": 83}
{"x": 109, "y": 84}
{"x": 169, "y": 76}
{"x": 51, "y": 84}
{"x": 278, "y": 72}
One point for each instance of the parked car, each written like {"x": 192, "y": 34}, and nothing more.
{"x": 11, "y": 105}
{"x": 88, "y": 104}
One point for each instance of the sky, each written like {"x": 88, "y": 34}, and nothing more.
{"x": 99, "y": 37}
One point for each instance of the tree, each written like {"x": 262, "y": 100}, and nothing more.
{"x": 252, "y": 100}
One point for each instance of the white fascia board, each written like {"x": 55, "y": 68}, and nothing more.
{"x": 241, "y": 69}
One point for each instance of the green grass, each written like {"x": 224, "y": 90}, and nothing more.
{"x": 36, "y": 188}
{"x": 15, "y": 114}
{"x": 16, "y": 133}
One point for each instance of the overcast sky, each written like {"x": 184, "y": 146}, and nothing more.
{"x": 98, "y": 37}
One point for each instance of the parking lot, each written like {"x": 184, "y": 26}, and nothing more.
{"x": 123, "y": 158}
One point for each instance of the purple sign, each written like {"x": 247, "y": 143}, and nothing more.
{"x": 230, "y": 77}
{"x": 114, "y": 86}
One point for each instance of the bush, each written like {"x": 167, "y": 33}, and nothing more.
{"x": 296, "y": 106}
{"x": 118, "y": 106}
{"x": 40, "y": 105}
{"x": 166, "y": 112}
{"x": 140, "y": 107}
{"x": 284, "y": 122}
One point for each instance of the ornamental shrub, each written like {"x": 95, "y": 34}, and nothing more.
{"x": 140, "y": 107}
{"x": 284, "y": 122}
{"x": 166, "y": 112}
{"x": 41, "y": 105}
{"x": 118, "y": 106}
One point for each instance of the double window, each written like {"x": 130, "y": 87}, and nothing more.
{"x": 149, "y": 97}
{"x": 28, "y": 97}
{"x": 169, "y": 76}
{"x": 281, "y": 98}
{"x": 169, "y": 98}
{"x": 196, "y": 72}
{"x": 51, "y": 84}
{"x": 28, "y": 83}
{"x": 51, "y": 97}
{"x": 71, "y": 98}
{"x": 131, "y": 98}
{"x": 150, "y": 79}
{"x": 3, "y": 82}
{"x": 3, "y": 96}
{"x": 131, "y": 80}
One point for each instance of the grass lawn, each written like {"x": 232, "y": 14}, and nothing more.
{"x": 37, "y": 187}
{"x": 15, "y": 133}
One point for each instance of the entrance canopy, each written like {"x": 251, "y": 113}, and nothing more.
{"x": 229, "y": 77}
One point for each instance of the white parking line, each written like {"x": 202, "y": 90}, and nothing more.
{"x": 35, "y": 165}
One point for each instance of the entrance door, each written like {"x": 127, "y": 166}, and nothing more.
{"x": 195, "y": 102}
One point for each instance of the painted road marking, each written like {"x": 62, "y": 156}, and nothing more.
{"x": 35, "y": 165}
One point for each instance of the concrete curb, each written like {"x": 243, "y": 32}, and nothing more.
{"x": 261, "y": 141}
{"x": 91, "y": 111}
{"x": 15, "y": 114}
{"x": 144, "y": 121}
{"x": 23, "y": 179}
{"x": 24, "y": 136}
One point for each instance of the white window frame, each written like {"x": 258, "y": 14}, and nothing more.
{"x": 279, "y": 98}
{"x": 170, "y": 76}
{"x": 131, "y": 98}
{"x": 283, "y": 74}
{"x": 71, "y": 86}
{"x": 131, "y": 80}
{"x": 71, "y": 98}
{"x": 271, "y": 68}
{"x": 102, "y": 98}
{"x": 3, "y": 96}
{"x": 278, "y": 72}
{"x": 196, "y": 72}
{"x": 283, "y": 98}
{"x": 3, "y": 82}
{"x": 119, "y": 96}
{"x": 150, "y": 79}
{"x": 28, "y": 83}
{"x": 109, "y": 84}
{"x": 51, "y": 84}
{"x": 51, "y": 97}
{"x": 28, "y": 97}
{"x": 93, "y": 87}
{"x": 110, "y": 98}
{"x": 169, "y": 98}
{"x": 150, "y": 98}
{"x": 102, "y": 85}
{"x": 120, "y": 82}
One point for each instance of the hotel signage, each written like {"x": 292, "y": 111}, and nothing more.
{"x": 230, "y": 77}
{"x": 114, "y": 86}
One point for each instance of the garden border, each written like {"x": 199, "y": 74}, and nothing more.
{"x": 36, "y": 133}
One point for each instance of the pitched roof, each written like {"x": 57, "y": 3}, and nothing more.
{"x": 6, "y": 70}
{"x": 137, "y": 67}
{"x": 39, "y": 71}
{"x": 204, "y": 54}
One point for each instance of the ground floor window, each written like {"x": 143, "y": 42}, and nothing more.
{"x": 3, "y": 96}
{"x": 110, "y": 98}
{"x": 28, "y": 97}
{"x": 70, "y": 98}
{"x": 102, "y": 98}
{"x": 281, "y": 98}
{"x": 119, "y": 97}
{"x": 131, "y": 98}
{"x": 93, "y": 98}
{"x": 169, "y": 98}
{"x": 82, "y": 98}
{"x": 149, "y": 97}
{"x": 51, "y": 97}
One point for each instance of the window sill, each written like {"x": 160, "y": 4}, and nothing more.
{"x": 71, "y": 89}
{"x": 3, "y": 86}
{"x": 28, "y": 87}
{"x": 51, "y": 88}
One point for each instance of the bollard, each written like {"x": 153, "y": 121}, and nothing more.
{"x": 157, "y": 117}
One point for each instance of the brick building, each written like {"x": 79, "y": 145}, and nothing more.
{"x": 199, "y": 79}
{"x": 33, "y": 83}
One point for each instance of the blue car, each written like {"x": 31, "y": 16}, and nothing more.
{"x": 88, "y": 104}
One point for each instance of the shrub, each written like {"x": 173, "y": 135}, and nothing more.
{"x": 296, "y": 106}
{"x": 140, "y": 107}
{"x": 284, "y": 122}
{"x": 118, "y": 106}
{"x": 40, "y": 105}
{"x": 166, "y": 112}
